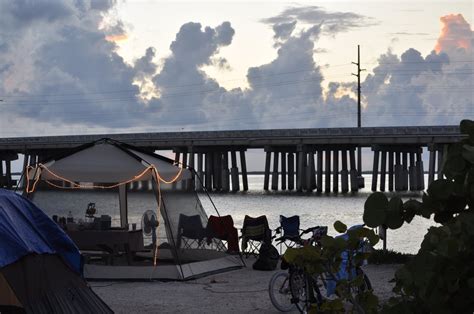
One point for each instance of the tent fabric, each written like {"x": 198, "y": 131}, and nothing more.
{"x": 25, "y": 229}
{"x": 98, "y": 163}
{"x": 107, "y": 161}
{"x": 44, "y": 284}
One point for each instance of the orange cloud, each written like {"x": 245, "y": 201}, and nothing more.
{"x": 456, "y": 33}
{"x": 116, "y": 38}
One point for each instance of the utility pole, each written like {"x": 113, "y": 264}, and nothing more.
{"x": 359, "y": 118}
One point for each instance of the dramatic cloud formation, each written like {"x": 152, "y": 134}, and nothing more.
{"x": 60, "y": 73}
{"x": 417, "y": 90}
{"x": 58, "y": 67}
{"x": 456, "y": 34}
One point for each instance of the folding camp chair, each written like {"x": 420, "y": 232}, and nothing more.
{"x": 222, "y": 228}
{"x": 255, "y": 231}
{"x": 190, "y": 232}
{"x": 290, "y": 226}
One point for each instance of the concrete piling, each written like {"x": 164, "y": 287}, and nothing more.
{"x": 291, "y": 171}
{"x": 283, "y": 171}
{"x": 335, "y": 174}
{"x": 327, "y": 187}
{"x": 243, "y": 165}
{"x": 234, "y": 172}
{"x": 275, "y": 172}
{"x": 344, "y": 173}
{"x": 383, "y": 168}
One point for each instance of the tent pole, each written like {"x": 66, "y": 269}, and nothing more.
{"x": 123, "y": 206}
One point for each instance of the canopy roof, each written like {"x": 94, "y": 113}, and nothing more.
{"x": 25, "y": 229}
{"x": 108, "y": 161}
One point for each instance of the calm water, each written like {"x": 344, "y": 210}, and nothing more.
{"x": 313, "y": 209}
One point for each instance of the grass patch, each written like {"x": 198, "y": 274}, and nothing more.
{"x": 389, "y": 257}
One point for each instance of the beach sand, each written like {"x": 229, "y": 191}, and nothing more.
{"x": 239, "y": 291}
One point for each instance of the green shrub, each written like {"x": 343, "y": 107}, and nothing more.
{"x": 389, "y": 257}
{"x": 440, "y": 277}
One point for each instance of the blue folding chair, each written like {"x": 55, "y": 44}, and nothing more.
{"x": 290, "y": 227}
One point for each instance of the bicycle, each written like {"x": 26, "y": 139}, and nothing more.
{"x": 279, "y": 285}
{"x": 309, "y": 289}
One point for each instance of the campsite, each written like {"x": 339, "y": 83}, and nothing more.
{"x": 176, "y": 241}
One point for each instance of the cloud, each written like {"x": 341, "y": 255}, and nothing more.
{"x": 64, "y": 74}
{"x": 58, "y": 69}
{"x": 333, "y": 22}
{"x": 456, "y": 34}
{"x": 417, "y": 90}
{"x": 283, "y": 30}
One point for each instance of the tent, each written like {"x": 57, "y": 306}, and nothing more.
{"x": 181, "y": 251}
{"x": 39, "y": 265}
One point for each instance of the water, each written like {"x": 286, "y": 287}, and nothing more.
{"x": 313, "y": 209}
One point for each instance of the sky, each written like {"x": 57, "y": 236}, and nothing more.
{"x": 105, "y": 66}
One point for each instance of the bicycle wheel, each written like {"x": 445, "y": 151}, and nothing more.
{"x": 301, "y": 287}
{"x": 279, "y": 291}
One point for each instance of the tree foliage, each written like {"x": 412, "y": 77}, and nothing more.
{"x": 440, "y": 277}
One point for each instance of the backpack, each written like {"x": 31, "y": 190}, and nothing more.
{"x": 267, "y": 258}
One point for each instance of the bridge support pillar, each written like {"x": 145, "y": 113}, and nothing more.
{"x": 319, "y": 165}
{"x": 8, "y": 174}
{"x": 312, "y": 171}
{"x": 192, "y": 169}
{"x": 344, "y": 172}
{"x": 243, "y": 166}
{"x": 184, "y": 164}
{"x": 200, "y": 173}
{"x": 291, "y": 171}
{"x": 327, "y": 187}
{"x": 283, "y": 171}
{"x": 218, "y": 170}
{"x": 440, "y": 161}
{"x": 412, "y": 172}
{"x": 208, "y": 171}
{"x": 405, "y": 171}
{"x": 275, "y": 172}
{"x": 390, "y": 170}
{"x": 398, "y": 173}
{"x": 234, "y": 172}
{"x": 420, "y": 172}
{"x": 22, "y": 182}
{"x": 335, "y": 174}
{"x": 431, "y": 164}
{"x": 383, "y": 169}
{"x": 353, "y": 172}
{"x": 177, "y": 156}
{"x": 375, "y": 169}
{"x": 225, "y": 172}
{"x": 305, "y": 172}
{"x": 266, "y": 177}
{"x": 299, "y": 171}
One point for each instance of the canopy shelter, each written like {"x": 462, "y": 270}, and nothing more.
{"x": 40, "y": 267}
{"x": 108, "y": 165}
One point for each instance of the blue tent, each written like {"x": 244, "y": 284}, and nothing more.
{"x": 40, "y": 267}
{"x": 25, "y": 229}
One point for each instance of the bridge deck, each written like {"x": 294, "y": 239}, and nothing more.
{"x": 251, "y": 138}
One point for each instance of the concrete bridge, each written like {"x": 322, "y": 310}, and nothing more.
{"x": 296, "y": 159}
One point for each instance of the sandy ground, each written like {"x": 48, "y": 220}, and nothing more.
{"x": 238, "y": 291}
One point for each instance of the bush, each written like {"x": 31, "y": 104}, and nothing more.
{"x": 440, "y": 277}
{"x": 389, "y": 257}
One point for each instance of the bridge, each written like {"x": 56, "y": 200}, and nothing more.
{"x": 296, "y": 159}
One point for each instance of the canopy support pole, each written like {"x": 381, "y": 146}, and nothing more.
{"x": 123, "y": 206}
